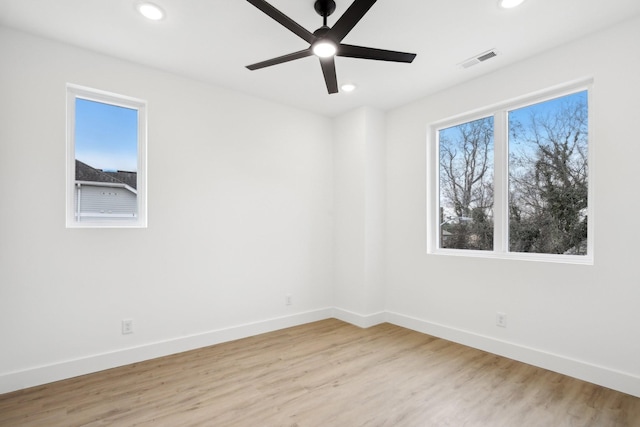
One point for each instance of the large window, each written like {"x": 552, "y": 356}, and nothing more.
{"x": 513, "y": 181}
{"x": 106, "y": 158}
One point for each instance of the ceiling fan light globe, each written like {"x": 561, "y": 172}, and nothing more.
{"x": 324, "y": 49}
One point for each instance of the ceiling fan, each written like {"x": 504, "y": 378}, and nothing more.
{"x": 325, "y": 42}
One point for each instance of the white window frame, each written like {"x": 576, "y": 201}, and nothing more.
{"x": 74, "y": 92}
{"x": 501, "y": 178}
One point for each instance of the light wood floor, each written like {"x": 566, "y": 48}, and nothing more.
{"x": 325, "y": 374}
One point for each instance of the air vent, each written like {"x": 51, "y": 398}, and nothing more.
{"x": 486, "y": 56}
{"x": 479, "y": 58}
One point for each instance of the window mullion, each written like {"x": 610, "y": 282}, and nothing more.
{"x": 501, "y": 183}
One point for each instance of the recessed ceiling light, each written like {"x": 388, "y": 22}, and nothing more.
{"x": 508, "y": 4}
{"x": 151, "y": 11}
{"x": 348, "y": 87}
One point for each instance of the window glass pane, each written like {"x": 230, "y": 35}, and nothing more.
{"x": 106, "y": 162}
{"x": 548, "y": 176}
{"x": 466, "y": 185}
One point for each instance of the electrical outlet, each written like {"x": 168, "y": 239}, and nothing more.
{"x": 501, "y": 319}
{"x": 288, "y": 299}
{"x": 127, "y": 326}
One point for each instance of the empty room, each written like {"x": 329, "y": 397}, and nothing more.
{"x": 319, "y": 213}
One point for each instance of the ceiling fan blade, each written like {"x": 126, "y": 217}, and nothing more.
{"x": 349, "y": 19}
{"x": 284, "y": 20}
{"x": 351, "y": 51}
{"x": 329, "y": 70}
{"x": 279, "y": 60}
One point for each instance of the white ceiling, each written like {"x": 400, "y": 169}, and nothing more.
{"x": 213, "y": 41}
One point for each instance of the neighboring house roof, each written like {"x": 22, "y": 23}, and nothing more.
{"x": 129, "y": 178}
{"x": 84, "y": 172}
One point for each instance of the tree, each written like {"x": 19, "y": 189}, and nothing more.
{"x": 548, "y": 175}
{"x": 466, "y": 185}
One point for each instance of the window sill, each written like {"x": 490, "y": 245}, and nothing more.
{"x": 518, "y": 256}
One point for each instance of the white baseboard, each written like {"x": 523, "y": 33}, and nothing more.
{"x": 363, "y": 321}
{"x": 601, "y": 375}
{"x": 611, "y": 378}
{"x": 13, "y": 381}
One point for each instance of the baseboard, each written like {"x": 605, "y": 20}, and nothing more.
{"x": 361, "y": 320}
{"x": 611, "y": 378}
{"x": 601, "y": 375}
{"x": 13, "y": 381}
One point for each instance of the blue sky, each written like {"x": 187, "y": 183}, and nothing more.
{"x": 106, "y": 136}
{"x": 547, "y": 107}
{"x": 519, "y": 145}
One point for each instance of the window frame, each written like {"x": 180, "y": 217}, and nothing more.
{"x": 501, "y": 177}
{"x": 81, "y": 92}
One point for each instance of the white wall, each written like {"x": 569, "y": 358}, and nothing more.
{"x": 242, "y": 211}
{"x": 359, "y": 193}
{"x": 580, "y": 320}
{"x": 240, "y": 199}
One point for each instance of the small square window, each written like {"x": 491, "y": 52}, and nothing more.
{"x": 106, "y": 159}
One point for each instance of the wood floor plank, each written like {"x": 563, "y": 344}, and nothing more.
{"x": 326, "y": 373}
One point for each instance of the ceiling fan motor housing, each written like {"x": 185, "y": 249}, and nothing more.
{"x": 324, "y": 7}
{"x": 320, "y": 32}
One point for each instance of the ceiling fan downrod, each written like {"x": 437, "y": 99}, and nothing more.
{"x": 324, "y": 8}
